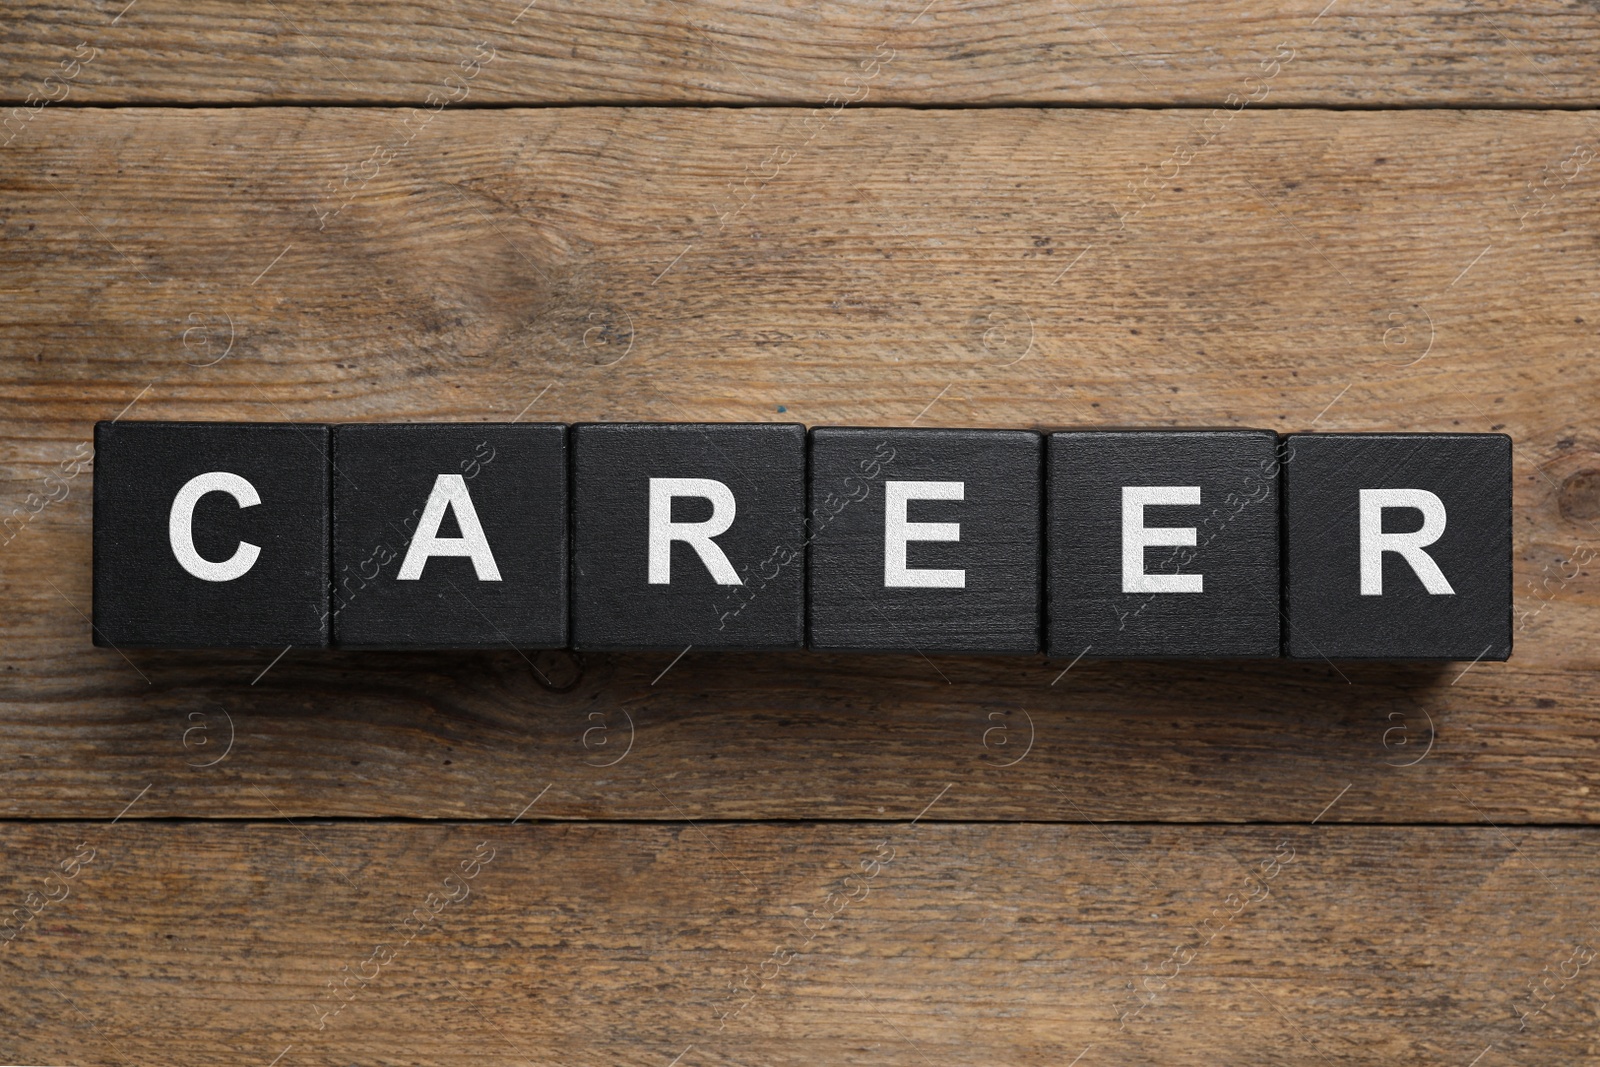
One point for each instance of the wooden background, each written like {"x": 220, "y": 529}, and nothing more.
{"x": 1341, "y": 216}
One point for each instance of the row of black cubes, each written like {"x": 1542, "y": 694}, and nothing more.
{"x": 1039, "y": 538}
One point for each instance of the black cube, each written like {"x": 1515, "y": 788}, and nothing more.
{"x": 450, "y": 535}
{"x": 688, "y": 534}
{"x": 925, "y": 540}
{"x": 1163, "y": 543}
{"x": 210, "y": 534}
{"x": 1398, "y": 546}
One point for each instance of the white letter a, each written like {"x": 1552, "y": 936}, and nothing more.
{"x": 449, "y": 490}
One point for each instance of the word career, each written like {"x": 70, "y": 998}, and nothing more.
{"x": 1137, "y": 544}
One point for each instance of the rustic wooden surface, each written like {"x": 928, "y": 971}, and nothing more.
{"x": 663, "y": 829}
{"x": 1536, "y": 53}
{"x": 739, "y": 943}
{"x": 977, "y": 268}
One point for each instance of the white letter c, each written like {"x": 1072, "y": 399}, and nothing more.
{"x": 180, "y": 526}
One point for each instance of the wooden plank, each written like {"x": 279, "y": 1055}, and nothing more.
{"x": 737, "y": 943}
{"x": 1333, "y": 271}
{"x": 912, "y": 52}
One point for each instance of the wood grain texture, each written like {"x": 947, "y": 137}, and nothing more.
{"x": 1336, "y": 271}
{"x": 1160, "y": 52}
{"x": 800, "y": 944}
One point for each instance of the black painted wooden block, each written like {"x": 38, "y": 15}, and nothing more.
{"x": 1162, "y": 543}
{"x": 210, "y": 535}
{"x": 1398, "y": 546}
{"x": 925, "y": 539}
{"x": 688, "y": 534}
{"x": 450, "y": 535}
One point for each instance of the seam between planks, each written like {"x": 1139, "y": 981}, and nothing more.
{"x": 800, "y": 105}
{"x": 413, "y": 820}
